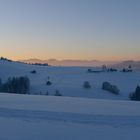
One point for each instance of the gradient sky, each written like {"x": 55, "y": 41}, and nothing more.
{"x": 70, "y": 29}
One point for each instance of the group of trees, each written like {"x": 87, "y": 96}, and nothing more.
{"x": 114, "y": 89}
{"x": 5, "y": 59}
{"x": 105, "y": 86}
{"x": 40, "y": 64}
{"x": 111, "y": 88}
{"x": 136, "y": 95}
{"x": 105, "y": 69}
{"x": 19, "y": 85}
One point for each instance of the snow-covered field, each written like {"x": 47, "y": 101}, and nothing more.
{"x": 34, "y": 117}
{"x": 69, "y": 80}
{"x": 80, "y": 114}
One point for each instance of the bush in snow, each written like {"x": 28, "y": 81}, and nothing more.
{"x": 136, "y": 95}
{"x": 48, "y": 83}
{"x": 86, "y": 85}
{"x": 57, "y": 93}
{"x": 19, "y": 85}
{"x": 89, "y": 70}
{"x": 111, "y": 88}
{"x": 33, "y": 72}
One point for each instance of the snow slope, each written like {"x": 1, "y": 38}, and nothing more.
{"x": 34, "y": 117}
{"x": 69, "y": 80}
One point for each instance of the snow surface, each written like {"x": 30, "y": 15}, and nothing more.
{"x": 35, "y": 117}
{"x": 69, "y": 80}
{"x": 79, "y": 114}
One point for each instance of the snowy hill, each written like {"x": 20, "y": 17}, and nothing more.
{"x": 37, "y": 117}
{"x": 97, "y": 115}
{"x": 69, "y": 80}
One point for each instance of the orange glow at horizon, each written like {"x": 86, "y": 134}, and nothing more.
{"x": 17, "y": 50}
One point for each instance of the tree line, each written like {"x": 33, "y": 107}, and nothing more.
{"x": 19, "y": 85}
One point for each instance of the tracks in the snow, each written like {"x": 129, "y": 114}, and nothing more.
{"x": 34, "y": 115}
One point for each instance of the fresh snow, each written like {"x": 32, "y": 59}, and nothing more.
{"x": 69, "y": 80}
{"x": 79, "y": 114}
{"x": 37, "y": 117}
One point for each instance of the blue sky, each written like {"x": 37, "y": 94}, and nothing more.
{"x": 70, "y": 29}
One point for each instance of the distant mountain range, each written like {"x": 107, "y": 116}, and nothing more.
{"x": 89, "y": 63}
{"x": 68, "y": 62}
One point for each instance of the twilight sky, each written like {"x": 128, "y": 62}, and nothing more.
{"x": 70, "y": 29}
